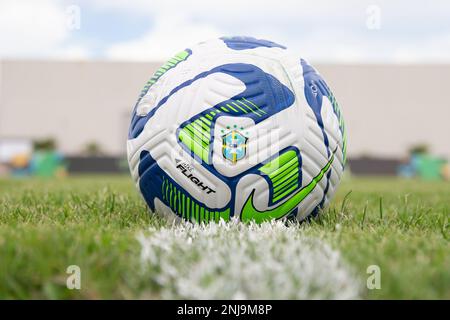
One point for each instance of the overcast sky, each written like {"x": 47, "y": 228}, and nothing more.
{"x": 319, "y": 30}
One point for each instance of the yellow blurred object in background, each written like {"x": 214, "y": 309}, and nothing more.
{"x": 446, "y": 172}
{"x": 20, "y": 161}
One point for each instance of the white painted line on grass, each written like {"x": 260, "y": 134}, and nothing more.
{"x": 238, "y": 261}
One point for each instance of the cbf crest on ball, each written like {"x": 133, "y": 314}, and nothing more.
{"x": 236, "y": 128}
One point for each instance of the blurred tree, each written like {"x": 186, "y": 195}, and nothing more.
{"x": 93, "y": 149}
{"x": 421, "y": 148}
{"x": 46, "y": 160}
{"x": 47, "y": 144}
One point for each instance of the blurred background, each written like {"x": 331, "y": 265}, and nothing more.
{"x": 71, "y": 71}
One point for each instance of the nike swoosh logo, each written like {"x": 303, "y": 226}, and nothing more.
{"x": 249, "y": 212}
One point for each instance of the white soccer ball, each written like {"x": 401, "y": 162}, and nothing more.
{"x": 236, "y": 128}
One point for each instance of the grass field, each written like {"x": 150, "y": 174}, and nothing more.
{"x": 101, "y": 224}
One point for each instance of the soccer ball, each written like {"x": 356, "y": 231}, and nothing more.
{"x": 236, "y": 127}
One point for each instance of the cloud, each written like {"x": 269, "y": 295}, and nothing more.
{"x": 323, "y": 31}
{"x": 298, "y": 24}
{"x": 169, "y": 35}
{"x": 30, "y": 26}
{"x": 37, "y": 29}
{"x": 249, "y": 10}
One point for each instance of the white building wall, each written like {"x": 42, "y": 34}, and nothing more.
{"x": 75, "y": 102}
{"x": 387, "y": 108}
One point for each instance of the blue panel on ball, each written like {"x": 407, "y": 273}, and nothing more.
{"x": 263, "y": 97}
{"x": 243, "y": 43}
{"x": 154, "y": 183}
{"x": 153, "y": 179}
{"x": 263, "y": 92}
{"x": 263, "y": 88}
{"x": 150, "y": 178}
{"x": 315, "y": 91}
